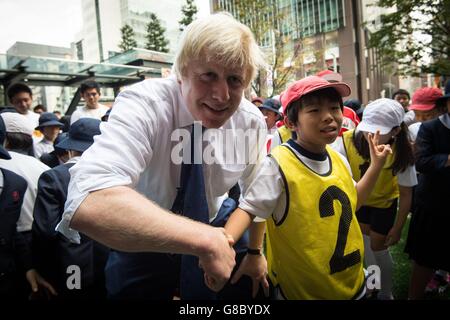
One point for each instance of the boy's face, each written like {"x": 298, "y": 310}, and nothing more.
{"x": 425, "y": 115}
{"x": 22, "y": 102}
{"x": 402, "y": 99}
{"x": 318, "y": 124}
{"x": 91, "y": 96}
{"x": 51, "y": 132}
{"x": 271, "y": 118}
{"x": 212, "y": 92}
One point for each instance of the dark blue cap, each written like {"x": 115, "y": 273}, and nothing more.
{"x": 81, "y": 135}
{"x": 442, "y": 100}
{"x": 272, "y": 105}
{"x": 2, "y": 131}
{"x": 4, "y": 154}
{"x": 354, "y": 104}
{"x": 48, "y": 119}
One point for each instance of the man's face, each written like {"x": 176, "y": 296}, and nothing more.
{"x": 271, "y": 118}
{"x": 91, "y": 96}
{"x": 212, "y": 92}
{"x": 51, "y": 132}
{"x": 22, "y": 102}
{"x": 402, "y": 99}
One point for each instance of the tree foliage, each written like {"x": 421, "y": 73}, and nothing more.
{"x": 156, "y": 39}
{"x": 128, "y": 41}
{"x": 415, "y": 38}
{"x": 189, "y": 11}
{"x": 273, "y": 31}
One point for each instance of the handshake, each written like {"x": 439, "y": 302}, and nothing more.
{"x": 218, "y": 262}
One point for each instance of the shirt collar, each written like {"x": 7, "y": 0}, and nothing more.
{"x": 183, "y": 117}
{"x": 445, "y": 119}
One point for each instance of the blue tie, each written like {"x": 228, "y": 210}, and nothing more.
{"x": 191, "y": 202}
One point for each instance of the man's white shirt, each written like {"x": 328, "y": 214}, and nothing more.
{"x": 85, "y": 112}
{"x": 135, "y": 149}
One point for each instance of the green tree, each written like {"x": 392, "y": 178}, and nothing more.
{"x": 274, "y": 31}
{"x": 415, "y": 38}
{"x": 156, "y": 40}
{"x": 128, "y": 41}
{"x": 189, "y": 11}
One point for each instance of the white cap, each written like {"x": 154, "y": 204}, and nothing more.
{"x": 383, "y": 115}
{"x": 17, "y": 123}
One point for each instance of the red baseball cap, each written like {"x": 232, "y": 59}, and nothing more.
{"x": 329, "y": 75}
{"x": 307, "y": 85}
{"x": 424, "y": 99}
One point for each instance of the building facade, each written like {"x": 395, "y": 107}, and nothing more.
{"x": 102, "y": 20}
{"x": 331, "y": 35}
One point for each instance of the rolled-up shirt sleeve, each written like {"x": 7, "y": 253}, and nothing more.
{"x": 266, "y": 191}
{"x": 118, "y": 156}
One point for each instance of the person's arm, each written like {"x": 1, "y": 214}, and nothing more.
{"x": 378, "y": 154}
{"x": 393, "y": 237}
{"x": 254, "y": 264}
{"x": 122, "y": 219}
{"x": 238, "y": 222}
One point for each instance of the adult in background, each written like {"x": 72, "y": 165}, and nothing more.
{"x": 90, "y": 92}
{"x": 402, "y": 96}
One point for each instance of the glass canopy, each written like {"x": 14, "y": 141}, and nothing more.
{"x": 60, "y": 72}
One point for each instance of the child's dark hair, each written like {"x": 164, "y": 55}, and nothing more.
{"x": 89, "y": 84}
{"x": 18, "y": 88}
{"x": 401, "y": 91}
{"x": 404, "y": 155}
{"x": 328, "y": 94}
{"x": 20, "y": 142}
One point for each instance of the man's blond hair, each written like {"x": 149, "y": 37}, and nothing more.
{"x": 221, "y": 39}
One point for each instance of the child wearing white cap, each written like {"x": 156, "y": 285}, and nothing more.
{"x": 377, "y": 217}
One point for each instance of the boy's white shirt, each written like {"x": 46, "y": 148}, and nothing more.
{"x": 266, "y": 196}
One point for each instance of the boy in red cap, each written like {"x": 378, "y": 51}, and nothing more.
{"x": 314, "y": 244}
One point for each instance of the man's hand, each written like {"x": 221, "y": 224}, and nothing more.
{"x": 254, "y": 266}
{"x": 218, "y": 262}
{"x": 37, "y": 282}
{"x": 378, "y": 152}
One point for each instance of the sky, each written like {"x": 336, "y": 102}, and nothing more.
{"x": 49, "y": 22}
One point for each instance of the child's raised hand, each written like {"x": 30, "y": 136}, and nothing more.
{"x": 378, "y": 152}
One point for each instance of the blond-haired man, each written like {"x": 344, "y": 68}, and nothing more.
{"x": 122, "y": 190}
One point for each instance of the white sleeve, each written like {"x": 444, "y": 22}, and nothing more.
{"x": 262, "y": 196}
{"x": 257, "y": 155}
{"x": 338, "y": 145}
{"x": 75, "y": 116}
{"x": 408, "y": 178}
{"x": 118, "y": 156}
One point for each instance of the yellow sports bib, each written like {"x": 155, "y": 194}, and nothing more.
{"x": 316, "y": 249}
{"x": 285, "y": 133}
{"x": 386, "y": 187}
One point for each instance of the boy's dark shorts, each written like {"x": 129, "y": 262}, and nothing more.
{"x": 380, "y": 220}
